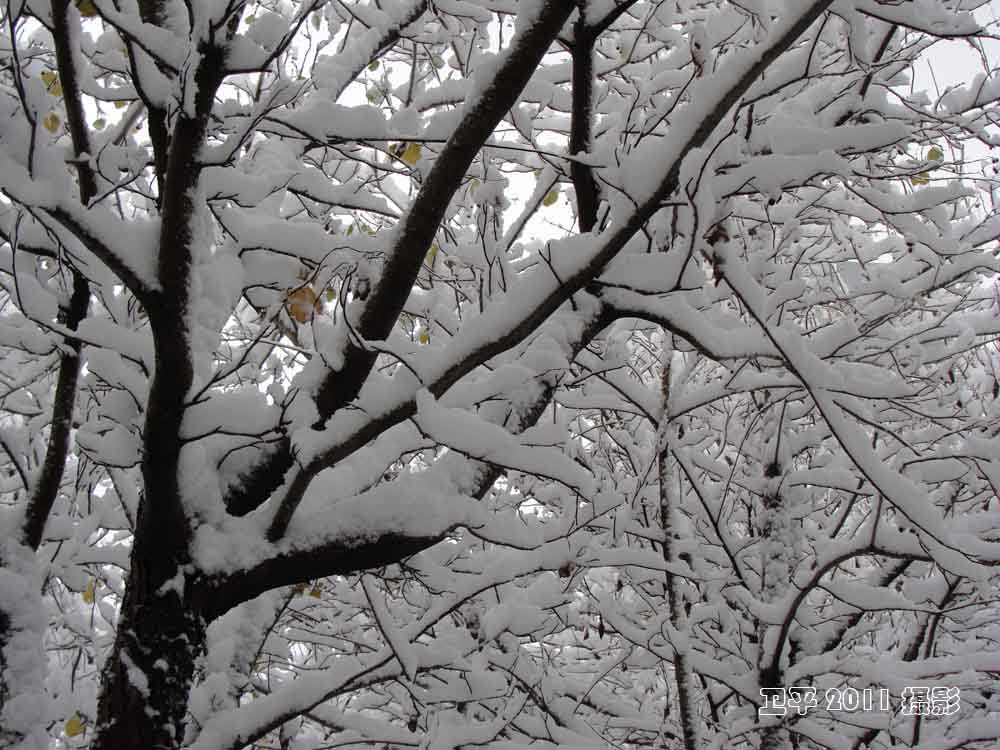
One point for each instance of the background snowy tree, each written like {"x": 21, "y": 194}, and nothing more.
{"x": 460, "y": 373}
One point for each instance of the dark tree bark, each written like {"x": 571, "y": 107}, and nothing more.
{"x": 161, "y": 630}
{"x": 581, "y": 123}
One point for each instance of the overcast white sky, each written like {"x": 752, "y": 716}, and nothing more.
{"x": 953, "y": 62}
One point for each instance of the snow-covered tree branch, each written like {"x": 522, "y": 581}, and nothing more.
{"x": 462, "y": 373}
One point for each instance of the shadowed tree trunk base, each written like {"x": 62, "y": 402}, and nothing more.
{"x": 148, "y": 675}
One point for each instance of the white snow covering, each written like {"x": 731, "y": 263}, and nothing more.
{"x": 27, "y": 706}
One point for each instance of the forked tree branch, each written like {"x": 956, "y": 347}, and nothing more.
{"x": 358, "y": 362}
{"x": 330, "y": 559}
{"x": 413, "y": 238}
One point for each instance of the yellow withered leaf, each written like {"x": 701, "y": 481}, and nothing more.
{"x": 920, "y": 179}
{"x": 100, "y": 123}
{"x": 90, "y": 591}
{"x": 51, "y": 81}
{"x": 301, "y": 303}
{"x": 424, "y": 337}
{"x": 316, "y": 592}
{"x": 121, "y": 104}
{"x": 411, "y": 154}
{"x": 51, "y": 122}
{"x": 87, "y": 8}
{"x": 75, "y": 725}
{"x": 550, "y": 197}
{"x": 935, "y": 154}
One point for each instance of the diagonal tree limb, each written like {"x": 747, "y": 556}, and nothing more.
{"x": 413, "y": 238}
{"x": 337, "y": 556}
{"x": 717, "y": 104}
{"x": 46, "y": 487}
{"x": 416, "y": 231}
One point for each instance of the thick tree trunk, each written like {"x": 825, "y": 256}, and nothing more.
{"x": 148, "y": 675}
{"x": 161, "y": 630}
